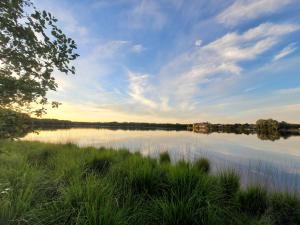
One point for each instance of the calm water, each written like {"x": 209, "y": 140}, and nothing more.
{"x": 273, "y": 164}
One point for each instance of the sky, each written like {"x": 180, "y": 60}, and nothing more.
{"x": 180, "y": 61}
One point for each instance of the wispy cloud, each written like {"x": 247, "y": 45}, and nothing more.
{"x": 243, "y": 10}
{"x": 67, "y": 19}
{"x": 285, "y": 51}
{"x": 198, "y": 42}
{"x": 138, "y": 48}
{"x": 115, "y": 48}
{"x": 192, "y": 74}
{"x": 289, "y": 91}
{"x": 146, "y": 14}
{"x": 138, "y": 87}
{"x": 218, "y": 60}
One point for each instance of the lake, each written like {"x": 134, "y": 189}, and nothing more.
{"x": 275, "y": 164}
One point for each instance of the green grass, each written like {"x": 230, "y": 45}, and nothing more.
{"x": 164, "y": 157}
{"x": 202, "y": 164}
{"x": 43, "y": 184}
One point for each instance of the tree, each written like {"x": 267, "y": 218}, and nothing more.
{"x": 31, "y": 48}
{"x": 13, "y": 124}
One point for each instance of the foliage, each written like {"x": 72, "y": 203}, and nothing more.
{"x": 273, "y": 130}
{"x": 45, "y": 184}
{"x": 31, "y": 48}
{"x": 267, "y": 126}
{"x": 13, "y": 124}
{"x": 268, "y": 129}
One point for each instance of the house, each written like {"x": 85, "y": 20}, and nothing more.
{"x": 201, "y": 127}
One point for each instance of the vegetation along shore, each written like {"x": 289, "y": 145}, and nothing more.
{"x": 64, "y": 184}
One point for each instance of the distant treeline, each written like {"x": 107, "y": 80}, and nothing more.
{"x": 262, "y": 126}
{"x": 271, "y": 125}
{"x": 233, "y": 128}
{"x": 53, "y": 123}
{"x": 273, "y": 130}
{"x": 15, "y": 124}
{"x": 266, "y": 129}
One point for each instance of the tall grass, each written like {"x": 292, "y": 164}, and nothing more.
{"x": 164, "y": 157}
{"x": 45, "y": 184}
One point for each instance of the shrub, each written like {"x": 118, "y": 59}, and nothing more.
{"x": 285, "y": 209}
{"x": 253, "y": 200}
{"x": 202, "y": 164}
{"x": 164, "y": 157}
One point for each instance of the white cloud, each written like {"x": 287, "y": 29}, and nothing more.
{"x": 217, "y": 61}
{"x": 146, "y": 14}
{"x": 183, "y": 81}
{"x": 110, "y": 49}
{"x": 138, "y": 87}
{"x": 189, "y": 76}
{"x": 285, "y": 51}
{"x": 138, "y": 48}
{"x": 243, "y": 10}
{"x": 198, "y": 42}
{"x": 113, "y": 49}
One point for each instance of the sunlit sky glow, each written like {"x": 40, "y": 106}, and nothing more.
{"x": 180, "y": 60}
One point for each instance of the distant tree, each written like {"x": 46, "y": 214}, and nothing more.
{"x": 267, "y": 126}
{"x": 13, "y": 124}
{"x": 268, "y": 129}
{"x": 31, "y": 48}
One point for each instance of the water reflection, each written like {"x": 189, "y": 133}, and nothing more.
{"x": 273, "y": 164}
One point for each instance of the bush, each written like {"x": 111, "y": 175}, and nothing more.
{"x": 202, "y": 165}
{"x": 253, "y": 200}
{"x": 164, "y": 157}
{"x": 285, "y": 209}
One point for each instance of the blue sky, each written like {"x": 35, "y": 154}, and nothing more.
{"x": 180, "y": 61}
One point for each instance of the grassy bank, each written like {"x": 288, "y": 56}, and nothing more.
{"x": 44, "y": 184}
